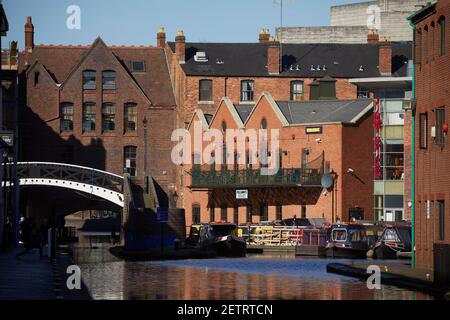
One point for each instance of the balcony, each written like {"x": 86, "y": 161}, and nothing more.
{"x": 214, "y": 179}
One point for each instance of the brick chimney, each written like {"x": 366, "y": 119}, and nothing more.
{"x": 385, "y": 58}
{"x": 273, "y": 58}
{"x": 29, "y": 35}
{"x": 180, "y": 47}
{"x": 264, "y": 36}
{"x": 373, "y": 36}
{"x": 161, "y": 38}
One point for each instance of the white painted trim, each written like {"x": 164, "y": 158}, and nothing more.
{"x": 111, "y": 196}
{"x": 362, "y": 113}
{"x": 232, "y": 110}
{"x": 274, "y": 106}
{"x": 66, "y": 165}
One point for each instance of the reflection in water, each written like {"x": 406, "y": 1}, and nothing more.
{"x": 251, "y": 278}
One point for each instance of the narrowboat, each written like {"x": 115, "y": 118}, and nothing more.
{"x": 347, "y": 241}
{"x": 313, "y": 243}
{"x": 223, "y": 239}
{"x": 394, "y": 240}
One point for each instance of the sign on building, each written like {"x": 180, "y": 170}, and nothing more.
{"x": 242, "y": 194}
{"x": 7, "y": 138}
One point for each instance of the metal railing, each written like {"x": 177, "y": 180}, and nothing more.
{"x": 73, "y": 173}
{"x": 254, "y": 178}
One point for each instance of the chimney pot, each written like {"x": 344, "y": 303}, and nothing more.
{"x": 264, "y": 36}
{"x": 161, "y": 38}
{"x": 180, "y": 47}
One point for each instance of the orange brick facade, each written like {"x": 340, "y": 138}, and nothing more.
{"x": 343, "y": 146}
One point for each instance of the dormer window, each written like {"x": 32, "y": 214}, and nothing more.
{"x": 109, "y": 80}
{"x": 36, "y": 78}
{"x": 89, "y": 80}
{"x": 137, "y": 66}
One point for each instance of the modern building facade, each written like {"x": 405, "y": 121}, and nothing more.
{"x": 432, "y": 154}
{"x": 349, "y": 23}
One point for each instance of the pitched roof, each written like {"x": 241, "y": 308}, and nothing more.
{"x": 244, "y": 110}
{"x": 60, "y": 61}
{"x": 333, "y": 111}
{"x": 250, "y": 59}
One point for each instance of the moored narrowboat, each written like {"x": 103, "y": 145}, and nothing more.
{"x": 347, "y": 241}
{"x": 394, "y": 240}
{"x": 223, "y": 239}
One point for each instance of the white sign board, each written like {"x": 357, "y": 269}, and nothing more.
{"x": 241, "y": 194}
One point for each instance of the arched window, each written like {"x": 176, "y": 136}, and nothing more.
{"x": 205, "y": 90}
{"x": 130, "y": 117}
{"x": 129, "y": 160}
{"x": 296, "y": 90}
{"x": 442, "y": 33}
{"x": 66, "y": 117}
{"x": 109, "y": 80}
{"x": 89, "y": 80}
{"x": 224, "y": 127}
{"x": 108, "y": 117}
{"x": 264, "y": 124}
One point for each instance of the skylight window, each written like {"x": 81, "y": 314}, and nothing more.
{"x": 137, "y": 66}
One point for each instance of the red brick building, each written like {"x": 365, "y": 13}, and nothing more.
{"x": 203, "y": 73}
{"x": 432, "y": 164}
{"x": 315, "y": 137}
{"x": 93, "y": 106}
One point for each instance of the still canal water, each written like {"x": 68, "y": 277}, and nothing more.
{"x": 255, "y": 277}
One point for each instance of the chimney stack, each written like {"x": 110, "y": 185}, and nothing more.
{"x": 273, "y": 57}
{"x": 161, "y": 38}
{"x": 180, "y": 47}
{"x": 264, "y": 36}
{"x": 373, "y": 36}
{"x": 29, "y": 35}
{"x": 385, "y": 57}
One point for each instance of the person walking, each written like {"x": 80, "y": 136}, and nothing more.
{"x": 31, "y": 238}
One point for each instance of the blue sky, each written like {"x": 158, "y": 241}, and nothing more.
{"x": 136, "y": 22}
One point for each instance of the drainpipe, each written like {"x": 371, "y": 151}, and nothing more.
{"x": 413, "y": 161}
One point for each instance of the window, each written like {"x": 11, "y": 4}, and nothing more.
{"x": 419, "y": 46}
{"x": 130, "y": 160}
{"x": 89, "y": 117}
{"x": 236, "y": 215}
{"x": 36, "y": 78}
{"x": 279, "y": 212}
{"x": 296, "y": 90}
{"x": 224, "y": 127}
{"x": 264, "y": 213}
{"x": 205, "y": 90}
{"x": 393, "y": 158}
{"x": 423, "y": 130}
{"x": 66, "y": 117}
{"x": 264, "y": 124}
{"x": 426, "y": 43}
{"x": 441, "y": 220}
{"x": 109, "y": 80}
{"x": 247, "y": 90}
{"x": 339, "y": 235}
{"x": 224, "y": 214}
{"x": 440, "y": 120}
{"x": 362, "y": 94}
{"x": 137, "y": 66}
{"x": 108, "y": 117}
{"x": 195, "y": 214}
{"x": 442, "y": 36}
{"x": 212, "y": 216}
{"x": 130, "y": 117}
{"x": 89, "y": 80}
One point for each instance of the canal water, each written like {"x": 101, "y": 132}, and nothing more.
{"x": 255, "y": 277}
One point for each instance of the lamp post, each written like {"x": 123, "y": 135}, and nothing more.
{"x": 145, "y": 123}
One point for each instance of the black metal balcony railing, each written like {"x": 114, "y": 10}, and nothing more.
{"x": 253, "y": 178}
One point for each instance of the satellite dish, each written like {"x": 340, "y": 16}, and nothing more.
{"x": 327, "y": 181}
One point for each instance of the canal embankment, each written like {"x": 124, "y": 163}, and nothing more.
{"x": 33, "y": 278}
{"x": 400, "y": 275}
